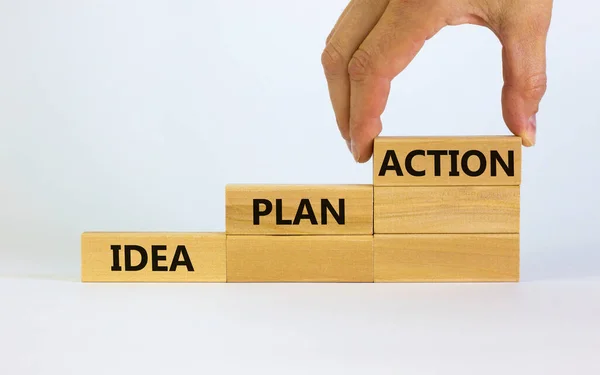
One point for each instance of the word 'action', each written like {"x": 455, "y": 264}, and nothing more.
{"x": 457, "y": 163}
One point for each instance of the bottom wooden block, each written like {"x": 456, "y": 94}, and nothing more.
{"x": 446, "y": 257}
{"x": 300, "y": 258}
{"x": 153, "y": 257}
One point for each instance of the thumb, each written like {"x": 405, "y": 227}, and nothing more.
{"x": 524, "y": 72}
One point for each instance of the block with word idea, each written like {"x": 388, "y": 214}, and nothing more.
{"x": 446, "y": 257}
{"x": 446, "y": 209}
{"x": 300, "y": 258}
{"x": 153, "y": 257}
{"x": 299, "y": 209}
{"x": 427, "y": 161}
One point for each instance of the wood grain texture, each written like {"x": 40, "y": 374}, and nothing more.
{"x": 299, "y": 258}
{"x": 205, "y": 253}
{"x": 446, "y": 258}
{"x": 450, "y": 165}
{"x": 286, "y": 208}
{"x": 446, "y": 209}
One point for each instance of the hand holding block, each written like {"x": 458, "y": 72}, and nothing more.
{"x": 427, "y": 161}
{"x": 153, "y": 257}
{"x": 299, "y": 209}
{"x": 299, "y": 258}
{"x": 447, "y": 209}
{"x": 446, "y": 257}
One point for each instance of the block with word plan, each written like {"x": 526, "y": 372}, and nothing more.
{"x": 440, "y": 209}
{"x": 299, "y": 209}
{"x": 299, "y": 233}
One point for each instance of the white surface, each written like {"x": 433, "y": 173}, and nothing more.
{"x": 63, "y": 327}
{"x": 133, "y": 115}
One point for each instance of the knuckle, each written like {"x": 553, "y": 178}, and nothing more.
{"x": 361, "y": 65}
{"x": 535, "y": 86}
{"x": 333, "y": 61}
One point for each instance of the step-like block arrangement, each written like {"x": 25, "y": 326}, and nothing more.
{"x": 153, "y": 257}
{"x": 299, "y": 233}
{"x": 440, "y": 209}
{"x": 446, "y": 208}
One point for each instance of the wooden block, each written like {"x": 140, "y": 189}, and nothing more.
{"x": 299, "y": 258}
{"x": 428, "y": 161}
{"x": 446, "y": 257}
{"x": 299, "y": 209}
{"x": 447, "y": 209}
{"x": 153, "y": 257}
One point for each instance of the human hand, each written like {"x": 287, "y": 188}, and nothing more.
{"x": 374, "y": 40}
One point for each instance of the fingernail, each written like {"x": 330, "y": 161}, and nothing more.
{"x": 349, "y": 146}
{"x": 354, "y": 150}
{"x": 530, "y": 132}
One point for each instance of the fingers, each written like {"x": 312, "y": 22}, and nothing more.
{"x": 524, "y": 70}
{"x": 374, "y": 40}
{"x": 337, "y": 23}
{"x": 352, "y": 28}
{"x": 386, "y": 51}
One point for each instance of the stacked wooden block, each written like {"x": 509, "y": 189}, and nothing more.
{"x": 300, "y": 233}
{"x": 439, "y": 209}
{"x": 447, "y": 209}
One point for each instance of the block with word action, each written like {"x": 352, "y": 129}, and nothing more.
{"x": 300, "y": 258}
{"x": 446, "y": 209}
{"x": 299, "y": 209}
{"x": 446, "y": 258}
{"x": 476, "y": 160}
{"x": 153, "y": 257}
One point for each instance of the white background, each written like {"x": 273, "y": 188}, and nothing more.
{"x": 134, "y": 115}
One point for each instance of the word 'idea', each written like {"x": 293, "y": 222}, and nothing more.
{"x": 150, "y": 257}
{"x": 156, "y": 256}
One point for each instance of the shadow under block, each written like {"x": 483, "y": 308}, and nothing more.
{"x": 299, "y": 209}
{"x": 300, "y": 258}
{"x": 428, "y": 161}
{"x": 446, "y": 257}
{"x": 446, "y": 209}
{"x": 153, "y": 257}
